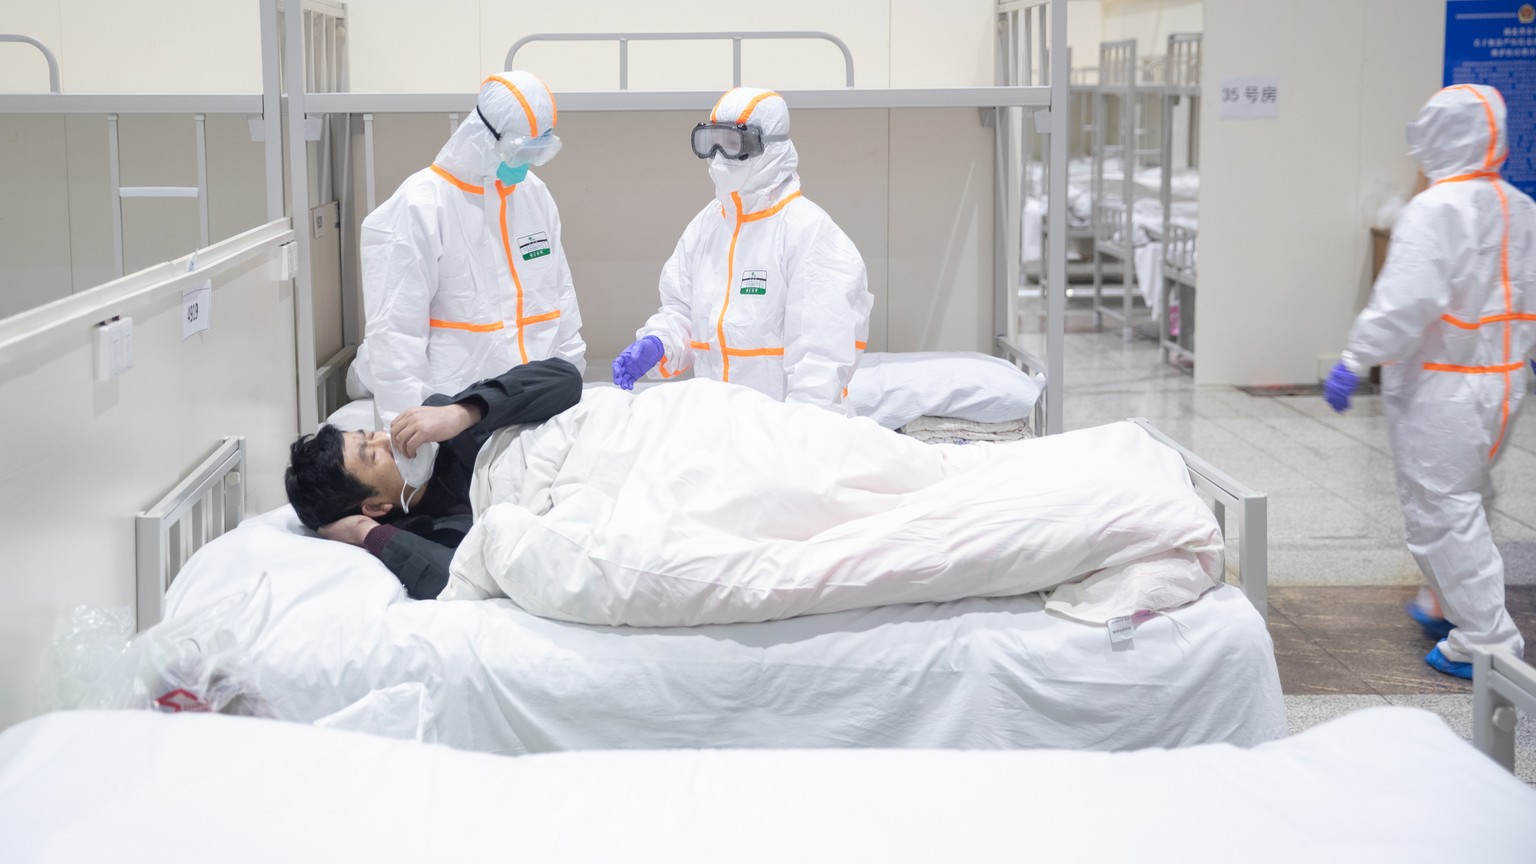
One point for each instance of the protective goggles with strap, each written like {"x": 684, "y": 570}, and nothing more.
{"x": 731, "y": 140}
{"x": 523, "y": 150}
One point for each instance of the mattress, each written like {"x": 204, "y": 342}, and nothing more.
{"x": 322, "y": 625}
{"x": 152, "y": 787}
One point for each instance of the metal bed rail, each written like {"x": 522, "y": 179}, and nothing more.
{"x": 53, "y": 62}
{"x": 1030, "y": 364}
{"x": 331, "y": 381}
{"x": 1178, "y": 275}
{"x": 1501, "y": 684}
{"x": 735, "y": 38}
{"x": 208, "y": 502}
{"x": 1251, "y": 509}
{"x": 1032, "y": 53}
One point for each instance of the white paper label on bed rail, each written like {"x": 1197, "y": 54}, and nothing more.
{"x": 194, "y": 308}
{"x": 1121, "y": 629}
{"x": 1249, "y": 97}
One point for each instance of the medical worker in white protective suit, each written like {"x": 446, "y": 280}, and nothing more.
{"x": 463, "y": 273}
{"x": 1453, "y": 317}
{"x": 763, "y": 289}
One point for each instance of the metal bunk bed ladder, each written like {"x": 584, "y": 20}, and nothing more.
{"x": 1176, "y": 331}
{"x": 1119, "y": 75}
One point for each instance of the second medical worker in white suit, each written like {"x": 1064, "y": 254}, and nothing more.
{"x": 763, "y": 289}
{"x": 1453, "y": 317}
{"x": 463, "y": 272}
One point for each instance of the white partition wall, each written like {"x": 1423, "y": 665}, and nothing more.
{"x": 1286, "y": 204}
{"x": 82, "y": 456}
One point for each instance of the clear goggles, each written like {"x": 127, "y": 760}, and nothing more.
{"x": 524, "y": 150}
{"x": 731, "y": 140}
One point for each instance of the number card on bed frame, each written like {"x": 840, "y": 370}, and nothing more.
{"x": 206, "y": 503}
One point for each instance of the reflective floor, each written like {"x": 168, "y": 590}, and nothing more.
{"x": 1339, "y": 572}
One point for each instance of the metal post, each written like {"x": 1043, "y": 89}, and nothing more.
{"x": 1056, "y": 300}
{"x": 202, "y": 179}
{"x": 736, "y": 62}
{"x": 117, "y": 194}
{"x": 1252, "y": 557}
{"x": 298, "y": 179}
{"x": 623, "y": 64}
{"x": 368, "y": 179}
{"x": 271, "y": 108}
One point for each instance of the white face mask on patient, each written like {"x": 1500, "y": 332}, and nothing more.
{"x": 415, "y": 472}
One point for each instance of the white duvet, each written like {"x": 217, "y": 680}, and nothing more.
{"x": 706, "y": 503}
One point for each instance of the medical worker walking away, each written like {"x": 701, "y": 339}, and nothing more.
{"x": 763, "y": 289}
{"x": 1453, "y": 315}
{"x": 463, "y": 273}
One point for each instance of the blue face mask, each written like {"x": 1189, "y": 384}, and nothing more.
{"x": 510, "y": 176}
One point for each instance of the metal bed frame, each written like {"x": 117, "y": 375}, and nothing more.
{"x": 1029, "y": 75}
{"x": 1250, "y": 508}
{"x": 1501, "y": 683}
{"x": 208, "y": 502}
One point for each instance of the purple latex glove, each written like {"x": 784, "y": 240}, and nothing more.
{"x": 636, "y": 360}
{"x": 1340, "y": 384}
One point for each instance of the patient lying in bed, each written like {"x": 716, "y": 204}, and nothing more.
{"x": 703, "y": 503}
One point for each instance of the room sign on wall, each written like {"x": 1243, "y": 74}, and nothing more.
{"x": 1249, "y": 97}
{"x": 1494, "y": 42}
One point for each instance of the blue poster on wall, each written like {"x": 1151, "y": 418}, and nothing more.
{"x": 1494, "y": 42}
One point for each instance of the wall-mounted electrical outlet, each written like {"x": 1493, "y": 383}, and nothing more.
{"x": 113, "y": 344}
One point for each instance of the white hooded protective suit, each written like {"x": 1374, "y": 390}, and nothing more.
{"x": 763, "y": 289}
{"x": 463, "y": 276}
{"x": 1453, "y": 315}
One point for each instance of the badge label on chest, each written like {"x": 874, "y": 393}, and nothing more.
{"x": 533, "y": 246}
{"x": 754, "y": 281}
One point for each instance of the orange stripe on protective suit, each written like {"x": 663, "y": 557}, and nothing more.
{"x": 443, "y": 173}
{"x": 465, "y": 325}
{"x": 730, "y": 270}
{"x": 1473, "y": 370}
{"x": 1493, "y": 126}
{"x": 714, "y": 113}
{"x": 1492, "y": 319}
{"x": 533, "y": 122}
{"x": 1462, "y": 178}
{"x": 1509, "y": 316}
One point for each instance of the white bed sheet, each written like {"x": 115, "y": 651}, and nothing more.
{"x": 980, "y": 673}
{"x": 151, "y": 787}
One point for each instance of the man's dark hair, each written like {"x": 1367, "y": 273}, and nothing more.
{"x": 319, "y": 486}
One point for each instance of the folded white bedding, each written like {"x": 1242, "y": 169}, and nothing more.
{"x": 952, "y": 430}
{"x": 131, "y": 787}
{"x": 626, "y": 509}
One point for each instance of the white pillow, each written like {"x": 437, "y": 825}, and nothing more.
{"x": 353, "y": 416}
{"x": 895, "y": 389}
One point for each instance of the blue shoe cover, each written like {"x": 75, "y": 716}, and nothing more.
{"x": 1437, "y": 628}
{"x": 1437, "y": 662}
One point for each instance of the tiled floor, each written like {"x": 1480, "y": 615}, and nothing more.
{"x": 1339, "y": 572}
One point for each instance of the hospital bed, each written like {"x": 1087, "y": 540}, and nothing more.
{"x": 323, "y": 626}
{"x": 143, "y": 786}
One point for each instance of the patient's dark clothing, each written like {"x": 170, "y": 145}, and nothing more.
{"x": 418, "y": 547}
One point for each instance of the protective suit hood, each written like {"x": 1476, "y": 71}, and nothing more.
{"x": 760, "y": 181}
{"x": 518, "y": 104}
{"x": 1460, "y": 130}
